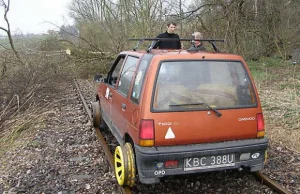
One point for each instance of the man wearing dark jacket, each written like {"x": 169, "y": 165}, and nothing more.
{"x": 197, "y": 46}
{"x": 167, "y": 44}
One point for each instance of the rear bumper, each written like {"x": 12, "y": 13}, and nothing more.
{"x": 148, "y": 157}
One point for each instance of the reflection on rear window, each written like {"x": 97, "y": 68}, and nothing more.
{"x": 220, "y": 84}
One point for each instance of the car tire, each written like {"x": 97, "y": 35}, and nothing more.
{"x": 96, "y": 114}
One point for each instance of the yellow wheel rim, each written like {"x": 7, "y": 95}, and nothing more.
{"x": 119, "y": 166}
{"x": 131, "y": 165}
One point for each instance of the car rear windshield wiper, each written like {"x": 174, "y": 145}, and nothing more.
{"x": 200, "y": 103}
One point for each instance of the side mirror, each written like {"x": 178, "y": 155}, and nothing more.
{"x": 98, "y": 78}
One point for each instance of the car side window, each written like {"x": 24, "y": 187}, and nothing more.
{"x": 114, "y": 73}
{"x": 139, "y": 79}
{"x": 127, "y": 74}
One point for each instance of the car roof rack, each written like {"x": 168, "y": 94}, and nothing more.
{"x": 192, "y": 40}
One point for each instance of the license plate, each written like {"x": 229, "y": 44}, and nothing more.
{"x": 207, "y": 162}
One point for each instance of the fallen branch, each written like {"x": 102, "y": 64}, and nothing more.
{"x": 9, "y": 105}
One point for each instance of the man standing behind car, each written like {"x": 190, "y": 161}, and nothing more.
{"x": 167, "y": 44}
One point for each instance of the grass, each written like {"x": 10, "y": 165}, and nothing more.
{"x": 17, "y": 132}
{"x": 18, "y": 135}
{"x": 21, "y": 129}
{"x": 278, "y": 85}
{"x": 23, "y": 42}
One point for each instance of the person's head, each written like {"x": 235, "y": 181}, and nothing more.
{"x": 198, "y": 35}
{"x": 171, "y": 27}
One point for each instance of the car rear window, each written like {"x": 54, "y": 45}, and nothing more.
{"x": 219, "y": 84}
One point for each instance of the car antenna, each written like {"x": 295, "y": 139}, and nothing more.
{"x": 192, "y": 40}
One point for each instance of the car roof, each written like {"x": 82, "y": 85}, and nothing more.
{"x": 184, "y": 54}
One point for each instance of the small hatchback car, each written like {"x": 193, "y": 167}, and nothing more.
{"x": 178, "y": 112}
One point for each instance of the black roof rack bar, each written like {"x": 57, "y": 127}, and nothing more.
{"x": 172, "y": 39}
{"x": 192, "y": 40}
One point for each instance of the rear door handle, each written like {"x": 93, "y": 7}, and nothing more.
{"x": 123, "y": 106}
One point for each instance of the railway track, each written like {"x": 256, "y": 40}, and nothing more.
{"x": 263, "y": 179}
{"x": 108, "y": 154}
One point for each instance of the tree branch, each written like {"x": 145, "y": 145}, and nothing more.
{"x": 8, "y": 32}
{"x": 190, "y": 13}
{"x": 92, "y": 45}
{"x": 4, "y": 47}
{"x": 1, "y": 28}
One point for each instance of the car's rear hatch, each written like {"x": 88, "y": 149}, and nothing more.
{"x": 203, "y": 101}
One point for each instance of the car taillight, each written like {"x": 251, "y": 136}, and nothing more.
{"x": 260, "y": 125}
{"x": 147, "y": 133}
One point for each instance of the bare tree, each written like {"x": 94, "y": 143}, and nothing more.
{"x": 6, "y": 6}
{"x": 109, "y": 23}
{"x": 252, "y": 28}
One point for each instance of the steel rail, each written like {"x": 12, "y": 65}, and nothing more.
{"x": 103, "y": 143}
{"x": 270, "y": 183}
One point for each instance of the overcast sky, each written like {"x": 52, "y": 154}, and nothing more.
{"x": 31, "y": 16}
